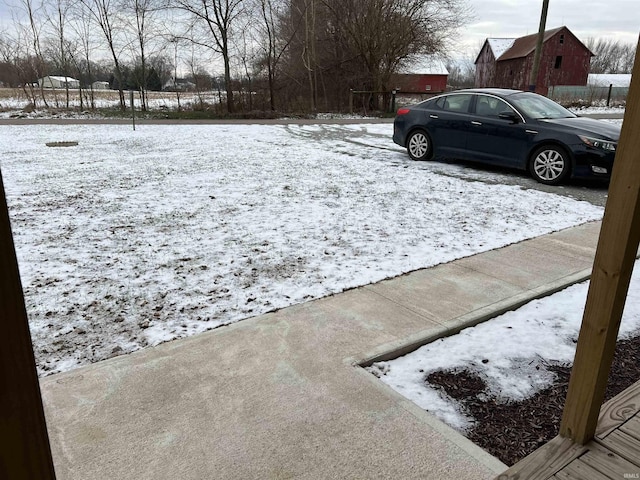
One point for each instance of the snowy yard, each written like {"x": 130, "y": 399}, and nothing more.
{"x": 134, "y": 238}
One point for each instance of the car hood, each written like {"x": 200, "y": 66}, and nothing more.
{"x": 608, "y": 131}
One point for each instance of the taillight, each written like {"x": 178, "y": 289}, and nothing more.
{"x": 402, "y": 111}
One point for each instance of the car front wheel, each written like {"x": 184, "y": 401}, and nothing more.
{"x": 550, "y": 165}
{"x": 419, "y": 146}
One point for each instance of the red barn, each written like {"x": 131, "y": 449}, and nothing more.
{"x": 427, "y": 75}
{"x": 507, "y": 63}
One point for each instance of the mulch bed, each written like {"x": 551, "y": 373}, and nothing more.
{"x": 510, "y": 431}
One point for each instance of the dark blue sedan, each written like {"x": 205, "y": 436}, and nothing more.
{"x": 509, "y": 128}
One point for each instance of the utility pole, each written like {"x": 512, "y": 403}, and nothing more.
{"x": 536, "y": 57}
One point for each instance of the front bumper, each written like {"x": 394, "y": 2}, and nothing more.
{"x": 591, "y": 162}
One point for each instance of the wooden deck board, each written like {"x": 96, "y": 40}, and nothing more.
{"x": 632, "y": 427}
{"x": 544, "y": 462}
{"x": 618, "y": 410}
{"x": 622, "y": 444}
{"x": 613, "y": 454}
{"x": 578, "y": 470}
{"x": 607, "y": 462}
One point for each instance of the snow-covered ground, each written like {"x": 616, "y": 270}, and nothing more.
{"x": 522, "y": 344}
{"x": 598, "y": 109}
{"x": 132, "y": 238}
{"x": 13, "y": 105}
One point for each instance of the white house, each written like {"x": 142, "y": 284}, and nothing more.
{"x": 100, "y": 85}
{"x": 179, "y": 85}
{"x": 51, "y": 81}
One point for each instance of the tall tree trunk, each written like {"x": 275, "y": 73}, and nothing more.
{"x": 227, "y": 79}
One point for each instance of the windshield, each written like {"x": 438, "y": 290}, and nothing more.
{"x": 539, "y": 107}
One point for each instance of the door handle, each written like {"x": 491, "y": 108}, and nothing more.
{"x": 433, "y": 116}
{"x": 473, "y": 122}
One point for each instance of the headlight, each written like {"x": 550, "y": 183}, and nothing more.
{"x": 599, "y": 143}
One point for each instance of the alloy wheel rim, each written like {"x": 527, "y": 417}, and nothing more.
{"x": 418, "y": 145}
{"x": 549, "y": 164}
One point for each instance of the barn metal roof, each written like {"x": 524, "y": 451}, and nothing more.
{"x": 425, "y": 65}
{"x": 523, "y": 46}
{"x": 500, "y": 45}
{"x": 510, "y": 48}
{"x": 62, "y": 79}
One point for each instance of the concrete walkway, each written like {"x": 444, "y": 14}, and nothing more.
{"x": 281, "y": 396}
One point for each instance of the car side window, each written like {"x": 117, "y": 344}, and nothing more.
{"x": 455, "y": 103}
{"x": 487, "y": 106}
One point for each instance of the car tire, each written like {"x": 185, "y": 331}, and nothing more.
{"x": 419, "y": 145}
{"x": 550, "y": 164}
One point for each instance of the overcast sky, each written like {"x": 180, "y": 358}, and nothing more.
{"x": 617, "y": 19}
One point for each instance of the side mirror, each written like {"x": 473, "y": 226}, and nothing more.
{"x": 509, "y": 115}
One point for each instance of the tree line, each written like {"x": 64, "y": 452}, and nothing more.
{"x": 288, "y": 55}
{"x": 611, "y": 56}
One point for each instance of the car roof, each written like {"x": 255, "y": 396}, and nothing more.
{"x": 491, "y": 91}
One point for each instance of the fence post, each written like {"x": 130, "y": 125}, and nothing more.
{"x": 609, "y": 94}
{"x": 133, "y": 110}
{"x": 351, "y": 101}
{"x": 393, "y": 101}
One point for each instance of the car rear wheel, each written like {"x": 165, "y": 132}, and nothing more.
{"x": 419, "y": 145}
{"x": 550, "y": 165}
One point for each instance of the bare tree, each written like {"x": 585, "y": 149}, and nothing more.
{"x": 82, "y": 27}
{"x": 218, "y": 17}
{"x": 175, "y": 42}
{"x": 60, "y": 51}
{"x": 10, "y": 73}
{"x": 201, "y": 79}
{"x": 247, "y": 58}
{"x": 611, "y": 56}
{"x": 142, "y": 14}
{"x": 273, "y": 45}
{"x": 33, "y": 31}
{"x": 360, "y": 44}
{"x": 300, "y": 26}
{"x": 309, "y": 58}
{"x": 383, "y": 33}
{"x": 462, "y": 71}
{"x": 105, "y": 15}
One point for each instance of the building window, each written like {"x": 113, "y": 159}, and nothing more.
{"x": 562, "y": 39}
{"x": 427, "y": 87}
{"x": 558, "y": 63}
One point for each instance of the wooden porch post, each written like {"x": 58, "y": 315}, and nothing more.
{"x": 24, "y": 443}
{"x": 613, "y": 264}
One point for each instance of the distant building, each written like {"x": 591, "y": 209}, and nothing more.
{"x": 507, "y": 62}
{"x": 58, "y": 82}
{"x": 424, "y": 75}
{"x": 179, "y": 85}
{"x": 100, "y": 85}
